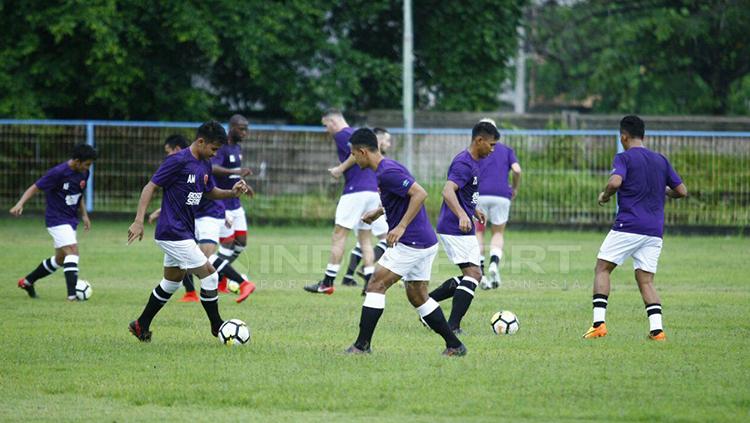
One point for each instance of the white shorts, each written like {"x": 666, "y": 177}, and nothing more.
{"x": 352, "y": 206}
{"x": 495, "y": 208}
{"x": 207, "y": 229}
{"x": 184, "y": 254}
{"x": 644, "y": 249}
{"x": 412, "y": 264}
{"x": 62, "y": 235}
{"x": 239, "y": 223}
{"x": 461, "y": 248}
{"x": 379, "y": 227}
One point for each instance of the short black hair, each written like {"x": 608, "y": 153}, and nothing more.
{"x": 485, "y": 128}
{"x": 83, "y": 152}
{"x": 379, "y": 130}
{"x": 176, "y": 140}
{"x": 364, "y": 137}
{"x": 212, "y": 132}
{"x": 633, "y": 126}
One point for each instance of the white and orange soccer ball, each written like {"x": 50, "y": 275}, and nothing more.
{"x": 504, "y": 323}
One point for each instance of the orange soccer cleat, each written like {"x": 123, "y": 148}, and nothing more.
{"x": 190, "y": 297}
{"x": 597, "y": 332}
{"x": 246, "y": 288}
{"x": 661, "y": 336}
{"x": 223, "y": 285}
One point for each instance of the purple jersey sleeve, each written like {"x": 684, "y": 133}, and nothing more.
{"x": 396, "y": 182}
{"x": 619, "y": 167}
{"x": 168, "y": 171}
{"x": 342, "y": 143}
{"x": 673, "y": 179}
{"x": 460, "y": 173}
{"x": 49, "y": 180}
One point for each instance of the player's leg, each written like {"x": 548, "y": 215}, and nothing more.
{"x": 208, "y": 231}
{"x": 47, "y": 267}
{"x": 645, "y": 261}
{"x": 209, "y": 294}
{"x": 602, "y": 274}
{"x": 496, "y": 253}
{"x": 140, "y": 328}
{"x": 190, "y": 295}
{"x": 464, "y": 295}
{"x": 338, "y": 240}
{"x": 355, "y": 256}
{"x": 365, "y": 236}
{"x": 372, "y": 308}
{"x": 70, "y": 268}
{"x": 239, "y": 228}
{"x": 484, "y": 282}
{"x": 431, "y": 313}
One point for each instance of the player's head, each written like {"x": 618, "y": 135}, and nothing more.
{"x": 175, "y": 143}
{"x": 334, "y": 121}
{"x": 82, "y": 156}
{"x": 208, "y": 139}
{"x": 364, "y": 144}
{"x": 238, "y": 129}
{"x": 631, "y": 128}
{"x": 484, "y": 136}
{"x": 384, "y": 139}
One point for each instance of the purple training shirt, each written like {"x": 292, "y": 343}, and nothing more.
{"x": 210, "y": 208}
{"x": 394, "y": 181}
{"x": 62, "y": 188}
{"x": 184, "y": 179}
{"x": 493, "y": 172}
{"x": 464, "y": 172}
{"x": 640, "y": 199}
{"x": 230, "y": 157}
{"x": 355, "y": 178}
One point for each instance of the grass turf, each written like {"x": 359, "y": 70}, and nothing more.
{"x": 65, "y": 362}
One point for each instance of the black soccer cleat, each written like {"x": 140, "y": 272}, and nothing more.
{"x": 348, "y": 282}
{"x": 215, "y": 330}
{"x": 28, "y": 287}
{"x": 319, "y": 288}
{"x": 137, "y": 331}
{"x": 459, "y": 351}
{"x": 353, "y": 350}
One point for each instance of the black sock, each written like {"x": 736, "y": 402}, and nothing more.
{"x": 70, "y": 267}
{"x": 446, "y": 289}
{"x": 156, "y": 301}
{"x": 481, "y": 266}
{"x": 187, "y": 281}
{"x": 45, "y": 268}
{"x": 495, "y": 259}
{"x": 238, "y": 249}
{"x": 367, "y": 322}
{"x": 462, "y": 299}
{"x": 330, "y": 274}
{"x": 223, "y": 268}
{"x": 210, "y": 303}
{"x": 354, "y": 258}
{"x": 367, "y": 280}
{"x": 379, "y": 250}
{"x": 436, "y": 321}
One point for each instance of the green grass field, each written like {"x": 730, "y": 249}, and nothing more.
{"x": 76, "y": 361}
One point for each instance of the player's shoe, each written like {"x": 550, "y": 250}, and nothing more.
{"x": 137, "y": 331}
{"x": 597, "y": 332}
{"x": 484, "y": 283}
{"x": 223, "y": 285}
{"x": 661, "y": 336}
{"x": 215, "y": 330}
{"x": 246, "y": 288}
{"x": 356, "y": 351}
{"x": 320, "y": 288}
{"x": 72, "y": 299}
{"x": 459, "y": 351}
{"x": 190, "y": 297}
{"x": 28, "y": 287}
{"x": 348, "y": 282}
{"x": 494, "y": 272}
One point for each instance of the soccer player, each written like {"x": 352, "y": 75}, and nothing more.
{"x": 227, "y": 169}
{"x": 495, "y": 196}
{"x": 360, "y": 195}
{"x": 641, "y": 178}
{"x": 412, "y": 242}
{"x": 63, "y": 187}
{"x": 184, "y": 177}
{"x": 455, "y": 225}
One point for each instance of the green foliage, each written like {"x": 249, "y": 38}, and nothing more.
{"x": 188, "y": 60}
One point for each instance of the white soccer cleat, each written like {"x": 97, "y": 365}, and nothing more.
{"x": 494, "y": 272}
{"x": 485, "y": 283}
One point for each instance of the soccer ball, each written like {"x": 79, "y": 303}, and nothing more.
{"x": 234, "y": 332}
{"x": 83, "y": 290}
{"x": 504, "y": 323}
{"x": 233, "y": 287}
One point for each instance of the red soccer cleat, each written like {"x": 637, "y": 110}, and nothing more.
{"x": 223, "y": 285}
{"x": 246, "y": 288}
{"x": 190, "y": 297}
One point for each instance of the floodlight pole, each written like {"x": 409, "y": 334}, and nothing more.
{"x": 408, "y": 82}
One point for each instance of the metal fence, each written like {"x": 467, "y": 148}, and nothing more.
{"x": 563, "y": 171}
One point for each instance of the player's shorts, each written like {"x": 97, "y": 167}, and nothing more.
{"x": 184, "y": 254}
{"x": 644, "y": 249}
{"x": 239, "y": 223}
{"x": 495, "y": 208}
{"x": 412, "y": 264}
{"x": 461, "y": 248}
{"x": 352, "y": 206}
{"x": 379, "y": 227}
{"x": 62, "y": 235}
{"x": 207, "y": 229}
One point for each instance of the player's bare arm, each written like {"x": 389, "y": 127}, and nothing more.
{"x": 614, "y": 183}
{"x": 417, "y": 197}
{"x": 135, "y": 231}
{"x": 680, "y": 191}
{"x": 239, "y": 188}
{"x": 516, "y": 179}
{"x": 373, "y": 215}
{"x": 17, "y": 210}
{"x": 84, "y": 214}
{"x": 223, "y": 171}
{"x": 154, "y": 216}
{"x": 339, "y": 170}
{"x": 449, "y": 195}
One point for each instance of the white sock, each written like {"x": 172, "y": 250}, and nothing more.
{"x": 654, "y": 316}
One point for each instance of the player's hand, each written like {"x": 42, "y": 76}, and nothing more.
{"x": 464, "y": 223}
{"x": 336, "y": 172}
{"x": 241, "y": 187}
{"x": 245, "y": 171}
{"x": 153, "y": 216}
{"x": 602, "y": 198}
{"x": 513, "y": 195}
{"x": 481, "y": 217}
{"x": 17, "y": 210}
{"x": 86, "y": 222}
{"x": 135, "y": 231}
{"x": 371, "y": 216}
{"x": 395, "y": 235}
